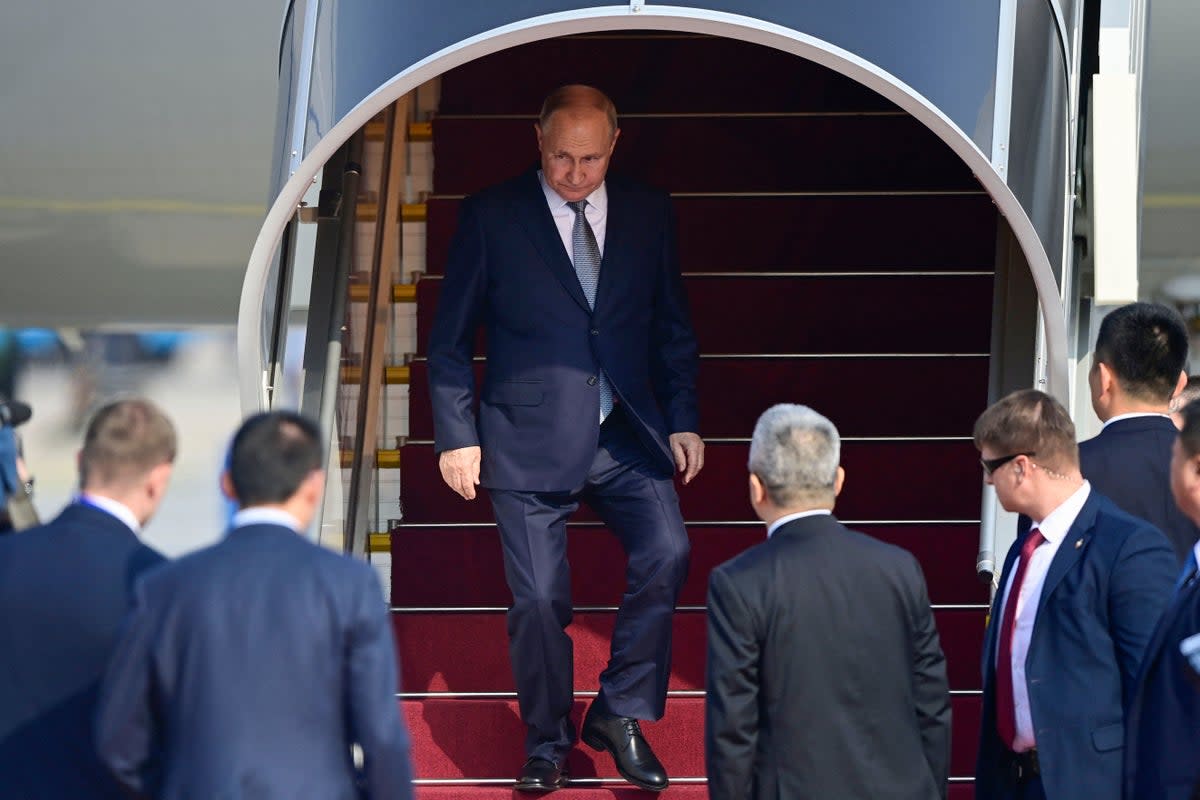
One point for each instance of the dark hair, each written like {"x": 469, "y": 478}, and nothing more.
{"x": 271, "y": 455}
{"x": 123, "y": 442}
{"x": 1189, "y": 435}
{"x": 578, "y": 96}
{"x": 1146, "y": 345}
{"x": 1029, "y": 421}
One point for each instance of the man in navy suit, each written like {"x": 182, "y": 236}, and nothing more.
{"x": 1162, "y": 734}
{"x": 251, "y": 668}
{"x": 64, "y": 588}
{"x": 1079, "y": 596}
{"x": 1141, "y": 354}
{"x": 588, "y": 394}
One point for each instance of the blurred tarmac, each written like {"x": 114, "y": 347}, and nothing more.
{"x": 198, "y": 390}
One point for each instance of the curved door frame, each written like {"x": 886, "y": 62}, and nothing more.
{"x": 625, "y": 17}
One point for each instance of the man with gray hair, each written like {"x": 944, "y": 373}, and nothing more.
{"x": 825, "y": 674}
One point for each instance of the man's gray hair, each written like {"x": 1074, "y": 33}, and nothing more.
{"x": 795, "y": 452}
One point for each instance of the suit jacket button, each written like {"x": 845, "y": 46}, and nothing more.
{"x": 595, "y": 332}
{"x": 592, "y": 381}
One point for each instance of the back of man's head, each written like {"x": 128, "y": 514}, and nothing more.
{"x": 272, "y": 455}
{"x": 795, "y": 453}
{"x": 125, "y": 441}
{"x": 1033, "y": 423}
{"x": 1146, "y": 347}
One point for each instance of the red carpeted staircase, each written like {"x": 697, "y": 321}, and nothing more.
{"x": 835, "y": 254}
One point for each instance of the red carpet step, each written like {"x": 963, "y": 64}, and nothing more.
{"x": 665, "y": 151}
{"x": 468, "y": 651}
{"x": 456, "y": 567}
{"x": 663, "y": 73}
{"x": 483, "y": 738}
{"x": 839, "y": 387}
{"x": 885, "y": 480}
{"x": 800, "y": 233}
{"x": 679, "y": 791}
{"x": 841, "y": 315}
{"x": 775, "y": 315}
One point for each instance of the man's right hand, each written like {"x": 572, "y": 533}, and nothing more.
{"x": 460, "y": 470}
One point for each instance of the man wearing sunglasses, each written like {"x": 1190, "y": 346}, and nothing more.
{"x": 1079, "y": 596}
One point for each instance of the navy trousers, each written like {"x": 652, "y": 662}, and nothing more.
{"x": 639, "y": 505}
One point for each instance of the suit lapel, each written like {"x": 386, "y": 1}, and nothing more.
{"x": 989, "y": 649}
{"x": 1073, "y": 546}
{"x": 534, "y": 216}
{"x": 615, "y": 230}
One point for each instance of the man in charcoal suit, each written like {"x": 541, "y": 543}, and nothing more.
{"x": 1162, "y": 730}
{"x": 251, "y": 669}
{"x": 64, "y": 588}
{"x": 588, "y": 394}
{"x": 1139, "y": 363}
{"x": 1079, "y": 596}
{"x": 826, "y": 676}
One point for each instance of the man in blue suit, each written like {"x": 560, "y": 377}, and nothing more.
{"x": 251, "y": 668}
{"x": 1162, "y": 732}
{"x": 588, "y": 394}
{"x": 1078, "y": 598}
{"x": 64, "y": 588}
{"x": 1141, "y": 354}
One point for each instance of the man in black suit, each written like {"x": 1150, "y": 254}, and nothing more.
{"x": 1162, "y": 730}
{"x": 825, "y": 676}
{"x": 589, "y": 394}
{"x": 251, "y": 668}
{"x": 64, "y": 588}
{"x": 1139, "y": 363}
{"x": 1079, "y": 596}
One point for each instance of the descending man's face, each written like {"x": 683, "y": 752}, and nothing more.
{"x": 576, "y": 146}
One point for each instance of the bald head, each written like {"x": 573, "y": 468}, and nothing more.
{"x": 576, "y": 100}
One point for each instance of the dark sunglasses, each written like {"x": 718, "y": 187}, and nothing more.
{"x": 990, "y": 465}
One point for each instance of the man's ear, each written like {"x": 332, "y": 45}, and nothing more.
{"x": 839, "y": 481}
{"x": 1108, "y": 378}
{"x": 537, "y": 129}
{"x": 1181, "y": 383}
{"x": 758, "y": 492}
{"x": 227, "y": 487}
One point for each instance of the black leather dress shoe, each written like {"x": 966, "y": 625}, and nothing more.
{"x": 622, "y": 738}
{"x": 540, "y": 775}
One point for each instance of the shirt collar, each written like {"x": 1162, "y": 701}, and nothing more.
{"x": 777, "y": 524}
{"x": 259, "y": 515}
{"x": 113, "y": 508}
{"x": 1133, "y": 415}
{"x": 1056, "y": 524}
{"x": 598, "y": 199}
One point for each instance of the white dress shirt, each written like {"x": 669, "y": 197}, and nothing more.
{"x": 596, "y": 213}
{"x": 116, "y": 509}
{"x": 1054, "y": 529}
{"x": 265, "y": 516}
{"x": 779, "y": 523}
{"x": 1133, "y": 415}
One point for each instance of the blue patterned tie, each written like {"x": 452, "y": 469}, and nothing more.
{"x": 587, "y": 268}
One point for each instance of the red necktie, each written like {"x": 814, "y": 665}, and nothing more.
{"x": 1006, "y": 712}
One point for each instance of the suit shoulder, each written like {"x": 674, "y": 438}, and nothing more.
{"x": 746, "y": 562}
{"x": 1118, "y": 526}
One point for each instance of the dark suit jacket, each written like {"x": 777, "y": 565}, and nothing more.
{"x": 1162, "y": 734}
{"x": 539, "y": 412}
{"x": 1129, "y": 462}
{"x": 825, "y": 674}
{"x": 64, "y": 587}
{"x": 247, "y": 670}
{"x": 1097, "y": 609}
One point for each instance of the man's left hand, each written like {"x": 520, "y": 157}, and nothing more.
{"x": 688, "y": 449}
